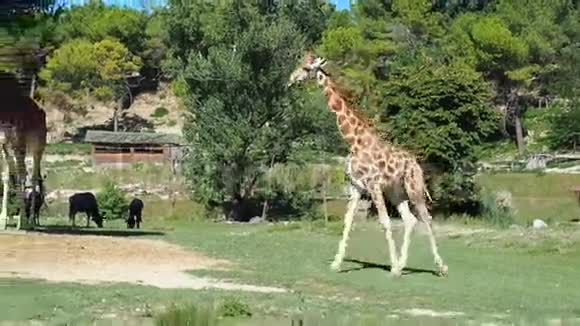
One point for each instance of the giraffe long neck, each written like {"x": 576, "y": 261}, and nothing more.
{"x": 350, "y": 124}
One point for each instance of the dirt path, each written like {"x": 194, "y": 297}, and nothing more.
{"x": 104, "y": 259}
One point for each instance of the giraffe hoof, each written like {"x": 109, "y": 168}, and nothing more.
{"x": 443, "y": 271}
{"x": 396, "y": 272}
{"x": 335, "y": 266}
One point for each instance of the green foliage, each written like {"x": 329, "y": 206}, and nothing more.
{"x": 86, "y": 68}
{"x": 112, "y": 202}
{"x": 419, "y": 17}
{"x": 455, "y": 190}
{"x": 23, "y": 36}
{"x": 68, "y": 149}
{"x": 565, "y": 129}
{"x": 309, "y": 17}
{"x": 495, "y": 213}
{"x": 565, "y": 126}
{"x": 160, "y": 112}
{"x": 244, "y": 117}
{"x": 233, "y": 307}
{"x": 440, "y": 110}
{"x": 97, "y": 22}
{"x": 187, "y": 315}
{"x": 341, "y": 41}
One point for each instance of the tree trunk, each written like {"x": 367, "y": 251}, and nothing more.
{"x": 115, "y": 119}
{"x": 324, "y": 205}
{"x": 519, "y": 135}
{"x": 265, "y": 209}
{"x": 32, "y": 86}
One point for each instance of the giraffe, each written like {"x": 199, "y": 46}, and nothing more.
{"x": 22, "y": 130}
{"x": 374, "y": 167}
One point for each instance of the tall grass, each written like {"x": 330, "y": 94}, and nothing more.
{"x": 493, "y": 212}
{"x": 188, "y": 315}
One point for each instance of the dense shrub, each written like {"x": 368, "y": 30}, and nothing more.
{"x": 190, "y": 315}
{"x": 496, "y": 209}
{"x": 160, "y": 112}
{"x": 112, "y": 202}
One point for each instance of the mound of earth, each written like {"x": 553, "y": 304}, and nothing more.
{"x": 94, "y": 259}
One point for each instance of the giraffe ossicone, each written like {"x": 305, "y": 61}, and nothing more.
{"x": 374, "y": 167}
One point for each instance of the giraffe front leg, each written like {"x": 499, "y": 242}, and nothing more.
{"x": 385, "y": 221}
{"x": 5, "y": 184}
{"x": 409, "y": 221}
{"x": 20, "y": 155}
{"x": 348, "y": 221}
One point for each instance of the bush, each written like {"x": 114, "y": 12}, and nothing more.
{"x": 565, "y": 129}
{"x": 496, "y": 208}
{"x": 455, "y": 191}
{"x": 68, "y": 149}
{"x": 160, "y": 112}
{"x": 112, "y": 202}
{"x": 190, "y": 315}
{"x": 232, "y": 307}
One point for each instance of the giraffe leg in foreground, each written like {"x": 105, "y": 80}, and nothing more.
{"x": 20, "y": 155}
{"x": 348, "y": 221}
{"x": 36, "y": 181}
{"x": 385, "y": 220}
{"x": 5, "y": 183}
{"x": 409, "y": 221}
{"x": 426, "y": 217}
{"x": 416, "y": 191}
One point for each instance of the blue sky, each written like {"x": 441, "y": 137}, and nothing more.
{"x": 340, "y": 4}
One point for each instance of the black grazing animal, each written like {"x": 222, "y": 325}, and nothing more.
{"x": 85, "y": 202}
{"x": 38, "y": 202}
{"x": 135, "y": 210}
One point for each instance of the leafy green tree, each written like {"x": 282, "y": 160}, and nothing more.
{"x": 565, "y": 128}
{"x": 243, "y": 118}
{"x": 419, "y": 17}
{"x": 112, "y": 202}
{"x": 441, "y": 111}
{"x": 92, "y": 69}
{"x": 96, "y": 21}
{"x": 310, "y": 17}
{"x": 514, "y": 44}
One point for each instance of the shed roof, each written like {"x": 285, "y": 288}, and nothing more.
{"x": 111, "y": 137}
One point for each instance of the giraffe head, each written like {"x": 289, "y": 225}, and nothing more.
{"x": 310, "y": 68}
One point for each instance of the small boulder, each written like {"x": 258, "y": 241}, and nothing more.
{"x": 256, "y": 220}
{"x": 539, "y": 224}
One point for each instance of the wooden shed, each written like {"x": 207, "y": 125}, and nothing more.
{"x": 121, "y": 148}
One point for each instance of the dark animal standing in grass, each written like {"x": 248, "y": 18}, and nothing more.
{"x": 87, "y": 203}
{"x": 38, "y": 199}
{"x": 135, "y": 210}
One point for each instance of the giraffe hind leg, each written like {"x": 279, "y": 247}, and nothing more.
{"x": 5, "y": 183}
{"x": 415, "y": 187}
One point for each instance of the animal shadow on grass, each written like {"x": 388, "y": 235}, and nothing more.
{"x": 69, "y": 230}
{"x": 369, "y": 265}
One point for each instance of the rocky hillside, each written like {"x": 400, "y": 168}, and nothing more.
{"x": 158, "y": 111}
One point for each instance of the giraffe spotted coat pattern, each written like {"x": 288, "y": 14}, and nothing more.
{"x": 374, "y": 167}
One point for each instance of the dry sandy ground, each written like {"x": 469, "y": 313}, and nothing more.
{"x": 104, "y": 259}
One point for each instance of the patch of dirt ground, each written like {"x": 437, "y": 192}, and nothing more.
{"x": 93, "y": 259}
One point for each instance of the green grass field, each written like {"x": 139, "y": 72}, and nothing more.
{"x": 545, "y": 196}
{"x": 513, "y": 276}
{"x": 499, "y": 276}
